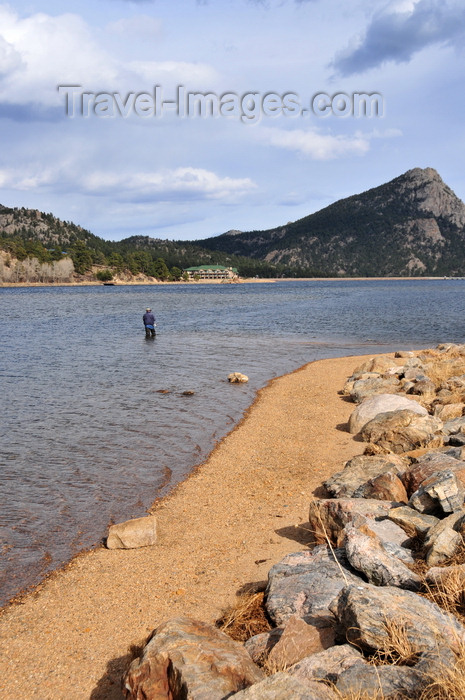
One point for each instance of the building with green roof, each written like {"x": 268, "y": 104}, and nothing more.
{"x": 212, "y": 272}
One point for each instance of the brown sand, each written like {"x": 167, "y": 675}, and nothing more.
{"x": 220, "y": 530}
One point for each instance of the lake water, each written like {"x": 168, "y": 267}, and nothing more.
{"x": 95, "y": 424}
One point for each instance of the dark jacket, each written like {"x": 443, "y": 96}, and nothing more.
{"x": 149, "y": 318}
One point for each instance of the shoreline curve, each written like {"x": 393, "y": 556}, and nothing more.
{"x": 221, "y": 529}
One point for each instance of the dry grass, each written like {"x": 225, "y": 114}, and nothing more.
{"x": 449, "y": 593}
{"x": 359, "y": 695}
{"x": 246, "y": 618}
{"x": 399, "y": 650}
{"x": 449, "y": 681}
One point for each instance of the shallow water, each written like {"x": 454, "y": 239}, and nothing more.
{"x": 95, "y": 424}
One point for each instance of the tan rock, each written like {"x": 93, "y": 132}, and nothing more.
{"x": 381, "y": 403}
{"x": 300, "y": 639}
{"x": 237, "y": 378}
{"x": 401, "y": 431}
{"x": 282, "y": 686}
{"x": 189, "y": 659}
{"x": 449, "y": 411}
{"x": 140, "y": 532}
{"x": 329, "y": 516}
{"x": 413, "y": 523}
{"x": 386, "y": 487}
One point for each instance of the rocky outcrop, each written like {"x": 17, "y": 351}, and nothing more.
{"x": 367, "y": 554}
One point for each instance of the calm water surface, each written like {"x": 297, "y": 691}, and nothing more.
{"x": 95, "y": 425}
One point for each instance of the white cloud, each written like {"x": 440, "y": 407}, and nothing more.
{"x": 179, "y": 183}
{"x": 316, "y": 145}
{"x": 197, "y": 183}
{"x": 40, "y": 52}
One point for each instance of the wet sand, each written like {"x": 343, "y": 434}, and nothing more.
{"x": 220, "y": 531}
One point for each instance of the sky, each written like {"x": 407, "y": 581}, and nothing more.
{"x": 183, "y": 119}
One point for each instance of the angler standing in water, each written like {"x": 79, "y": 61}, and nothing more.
{"x": 149, "y": 323}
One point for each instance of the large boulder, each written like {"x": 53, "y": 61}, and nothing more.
{"x": 364, "y": 388}
{"x": 429, "y": 464}
{"x": 305, "y": 583}
{"x": 383, "y": 403}
{"x": 393, "y": 682}
{"x": 360, "y": 474}
{"x": 329, "y": 516}
{"x": 282, "y": 686}
{"x": 372, "y": 616}
{"x": 366, "y": 554}
{"x": 189, "y": 659}
{"x": 442, "y": 492}
{"x": 402, "y": 431}
{"x": 381, "y": 364}
{"x": 140, "y": 532}
{"x": 444, "y": 539}
{"x": 327, "y": 665}
{"x": 413, "y": 523}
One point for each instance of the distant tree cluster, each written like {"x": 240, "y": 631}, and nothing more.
{"x": 40, "y": 239}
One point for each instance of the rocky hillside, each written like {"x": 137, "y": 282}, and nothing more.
{"x": 413, "y": 225}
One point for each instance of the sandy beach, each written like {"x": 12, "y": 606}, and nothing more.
{"x": 220, "y": 531}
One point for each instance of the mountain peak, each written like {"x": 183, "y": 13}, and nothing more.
{"x": 432, "y": 195}
{"x": 412, "y": 225}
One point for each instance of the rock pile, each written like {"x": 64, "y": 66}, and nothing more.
{"x": 384, "y": 541}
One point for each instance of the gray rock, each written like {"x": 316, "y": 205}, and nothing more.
{"x": 305, "y": 583}
{"x": 382, "y": 403}
{"x": 456, "y": 425}
{"x": 401, "y": 553}
{"x": 355, "y": 478}
{"x": 366, "y": 614}
{"x": 140, "y": 532}
{"x": 389, "y": 533}
{"x": 427, "y": 465}
{"x": 414, "y": 524}
{"x": 423, "y": 387}
{"x": 261, "y": 644}
{"x": 392, "y": 682}
{"x": 282, "y": 686}
{"x": 329, "y": 516}
{"x": 442, "y": 491}
{"x": 363, "y": 388}
{"x": 367, "y": 555}
{"x": 327, "y": 665}
{"x": 402, "y": 431}
{"x": 439, "y": 575}
{"x": 190, "y": 659}
{"x": 442, "y": 540}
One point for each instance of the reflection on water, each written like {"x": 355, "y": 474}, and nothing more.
{"x": 96, "y": 424}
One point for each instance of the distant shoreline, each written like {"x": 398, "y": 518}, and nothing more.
{"x": 245, "y": 280}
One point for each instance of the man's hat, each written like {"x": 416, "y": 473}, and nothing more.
{"x": 148, "y": 308}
